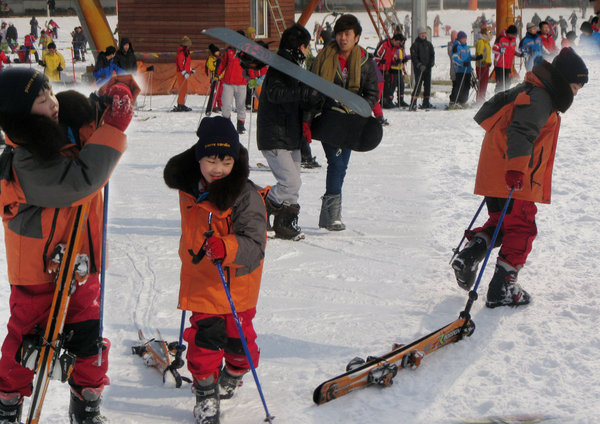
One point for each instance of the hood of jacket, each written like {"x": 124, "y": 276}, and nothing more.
{"x": 547, "y": 76}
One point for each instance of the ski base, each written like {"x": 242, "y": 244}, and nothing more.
{"x": 381, "y": 370}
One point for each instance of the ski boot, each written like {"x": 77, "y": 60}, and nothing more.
{"x": 465, "y": 263}
{"x": 504, "y": 290}
{"x": 402, "y": 103}
{"x": 310, "y": 162}
{"x": 388, "y": 104}
{"x": 181, "y": 108}
{"x": 240, "y": 127}
{"x": 331, "y": 213}
{"x": 413, "y": 105}
{"x": 85, "y": 406}
{"x": 272, "y": 210}
{"x": 384, "y": 122}
{"x": 285, "y": 223}
{"x": 11, "y": 407}
{"x": 207, "y": 409}
{"x": 230, "y": 380}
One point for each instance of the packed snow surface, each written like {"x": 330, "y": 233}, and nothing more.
{"x": 385, "y": 280}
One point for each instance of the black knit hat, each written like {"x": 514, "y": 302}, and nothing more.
{"x": 512, "y": 30}
{"x": 19, "y": 88}
{"x": 213, "y": 49}
{"x": 571, "y": 66}
{"x": 217, "y": 136}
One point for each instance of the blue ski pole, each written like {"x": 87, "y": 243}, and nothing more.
{"x": 473, "y": 292}
{"x": 457, "y": 248}
{"x": 269, "y": 417}
{"x": 102, "y": 276}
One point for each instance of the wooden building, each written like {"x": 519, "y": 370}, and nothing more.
{"x": 156, "y": 28}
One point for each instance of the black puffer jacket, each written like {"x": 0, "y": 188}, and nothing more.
{"x": 421, "y": 52}
{"x": 279, "y": 114}
{"x": 126, "y": 59}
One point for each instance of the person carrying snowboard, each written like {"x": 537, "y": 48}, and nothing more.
{"x": 348, "y": 65}
{"x": 280, "y": 134}
{"x": 517, "y": 153}
{"x": 55, "y": 160}
{"x": 223, "y": 220}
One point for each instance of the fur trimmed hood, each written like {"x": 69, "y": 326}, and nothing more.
{"x": 182, "y": 172}
{"x": 547, "y": 76}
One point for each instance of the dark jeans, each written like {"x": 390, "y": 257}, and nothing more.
{"x": 337, "y": 163}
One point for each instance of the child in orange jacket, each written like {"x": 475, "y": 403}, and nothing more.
{"x": 55, "y": 160}
{"x": 223, "y": 218}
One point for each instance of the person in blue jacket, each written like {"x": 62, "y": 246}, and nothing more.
{"x": 106, "y": 66}
{"x": 461, "y": 63}
{"x": 531, "y": 46}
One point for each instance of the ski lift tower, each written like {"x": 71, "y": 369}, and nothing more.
{"x": 419, "y": 17}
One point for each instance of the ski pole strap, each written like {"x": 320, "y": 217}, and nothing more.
{"x": 269, "y": 418}
{"x": 457, "y": 249}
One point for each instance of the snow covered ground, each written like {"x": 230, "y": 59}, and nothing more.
{"x": 386, "y": 279}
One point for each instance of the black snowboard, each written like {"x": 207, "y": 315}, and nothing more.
{"x": 347, "y": 130}
{"x": 346, "y": 97}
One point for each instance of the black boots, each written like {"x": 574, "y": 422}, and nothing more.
{"x": 503, "y": 289}
{"x": 240, "y": 127}
{"x": 331, "y": 212}
{"x": 285, "y": 223}
{"x": 466, "y": 262}
{"x": 181, "y": 108}
{"x": 384, "y": 122}
{"x": 11, "y": 406}
{"x": 208, "y": 408}
{"x": 85, "y": 406}
{"x": 228, "y": 383}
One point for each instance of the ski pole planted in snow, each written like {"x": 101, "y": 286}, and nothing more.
{"x": 102, "y": 276}
{"x": 269, "y": 417}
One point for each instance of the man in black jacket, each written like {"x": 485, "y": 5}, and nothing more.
{"x": 423, "y": 59}
{"x": 279, "y": 134}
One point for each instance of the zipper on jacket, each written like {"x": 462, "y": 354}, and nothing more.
{"x": 50, "y": 237}
{"x": 536, "y": 168}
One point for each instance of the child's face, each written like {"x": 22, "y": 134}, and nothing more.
{"x": 213, "y": 168}
{"x": 46, "y": 104}
{"x": 575, "y": 87}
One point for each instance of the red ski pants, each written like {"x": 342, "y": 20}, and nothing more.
{"x": 214, "y": 337}
{"x": 483, "y": 75}
{"x": 517, "y": 232}
{"x": 29, "y": 309}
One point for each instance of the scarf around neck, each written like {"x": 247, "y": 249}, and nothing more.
{"x": 327, "y": 63}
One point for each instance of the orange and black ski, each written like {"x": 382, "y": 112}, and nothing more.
{"x": 380, "y": 370}
{"x": 52, "y": 358}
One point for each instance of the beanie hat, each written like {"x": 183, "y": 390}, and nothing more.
{"x": 461, "y": 35}
{"x": 512, "y": 30}
{"x": 19, "y": 88}
{"x": 213, "y": 49}
{"x": 531, "y": 25}
{"x": 571, "y": 66}
{"x": 586, "y": 28}
{"x": 186, "y": 41}
{"x": 217, "y": 136}
{"x": 421, "y": 30}
{"x": 51, "y": 46}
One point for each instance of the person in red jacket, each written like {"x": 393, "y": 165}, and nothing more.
{"x": 29, "y": 43}
{"x": 504, "y": 55}
{"x": 549, "y": 49}
{"x": 517, "y": 154}
{"x": 384, "y": 58}
{"x": 184, "y": 71}
{"x": 216, "y": 196}
{"x": 234, "y": 86}
{"x": 3, "y": 59}
{"x": 56, "y": 159}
